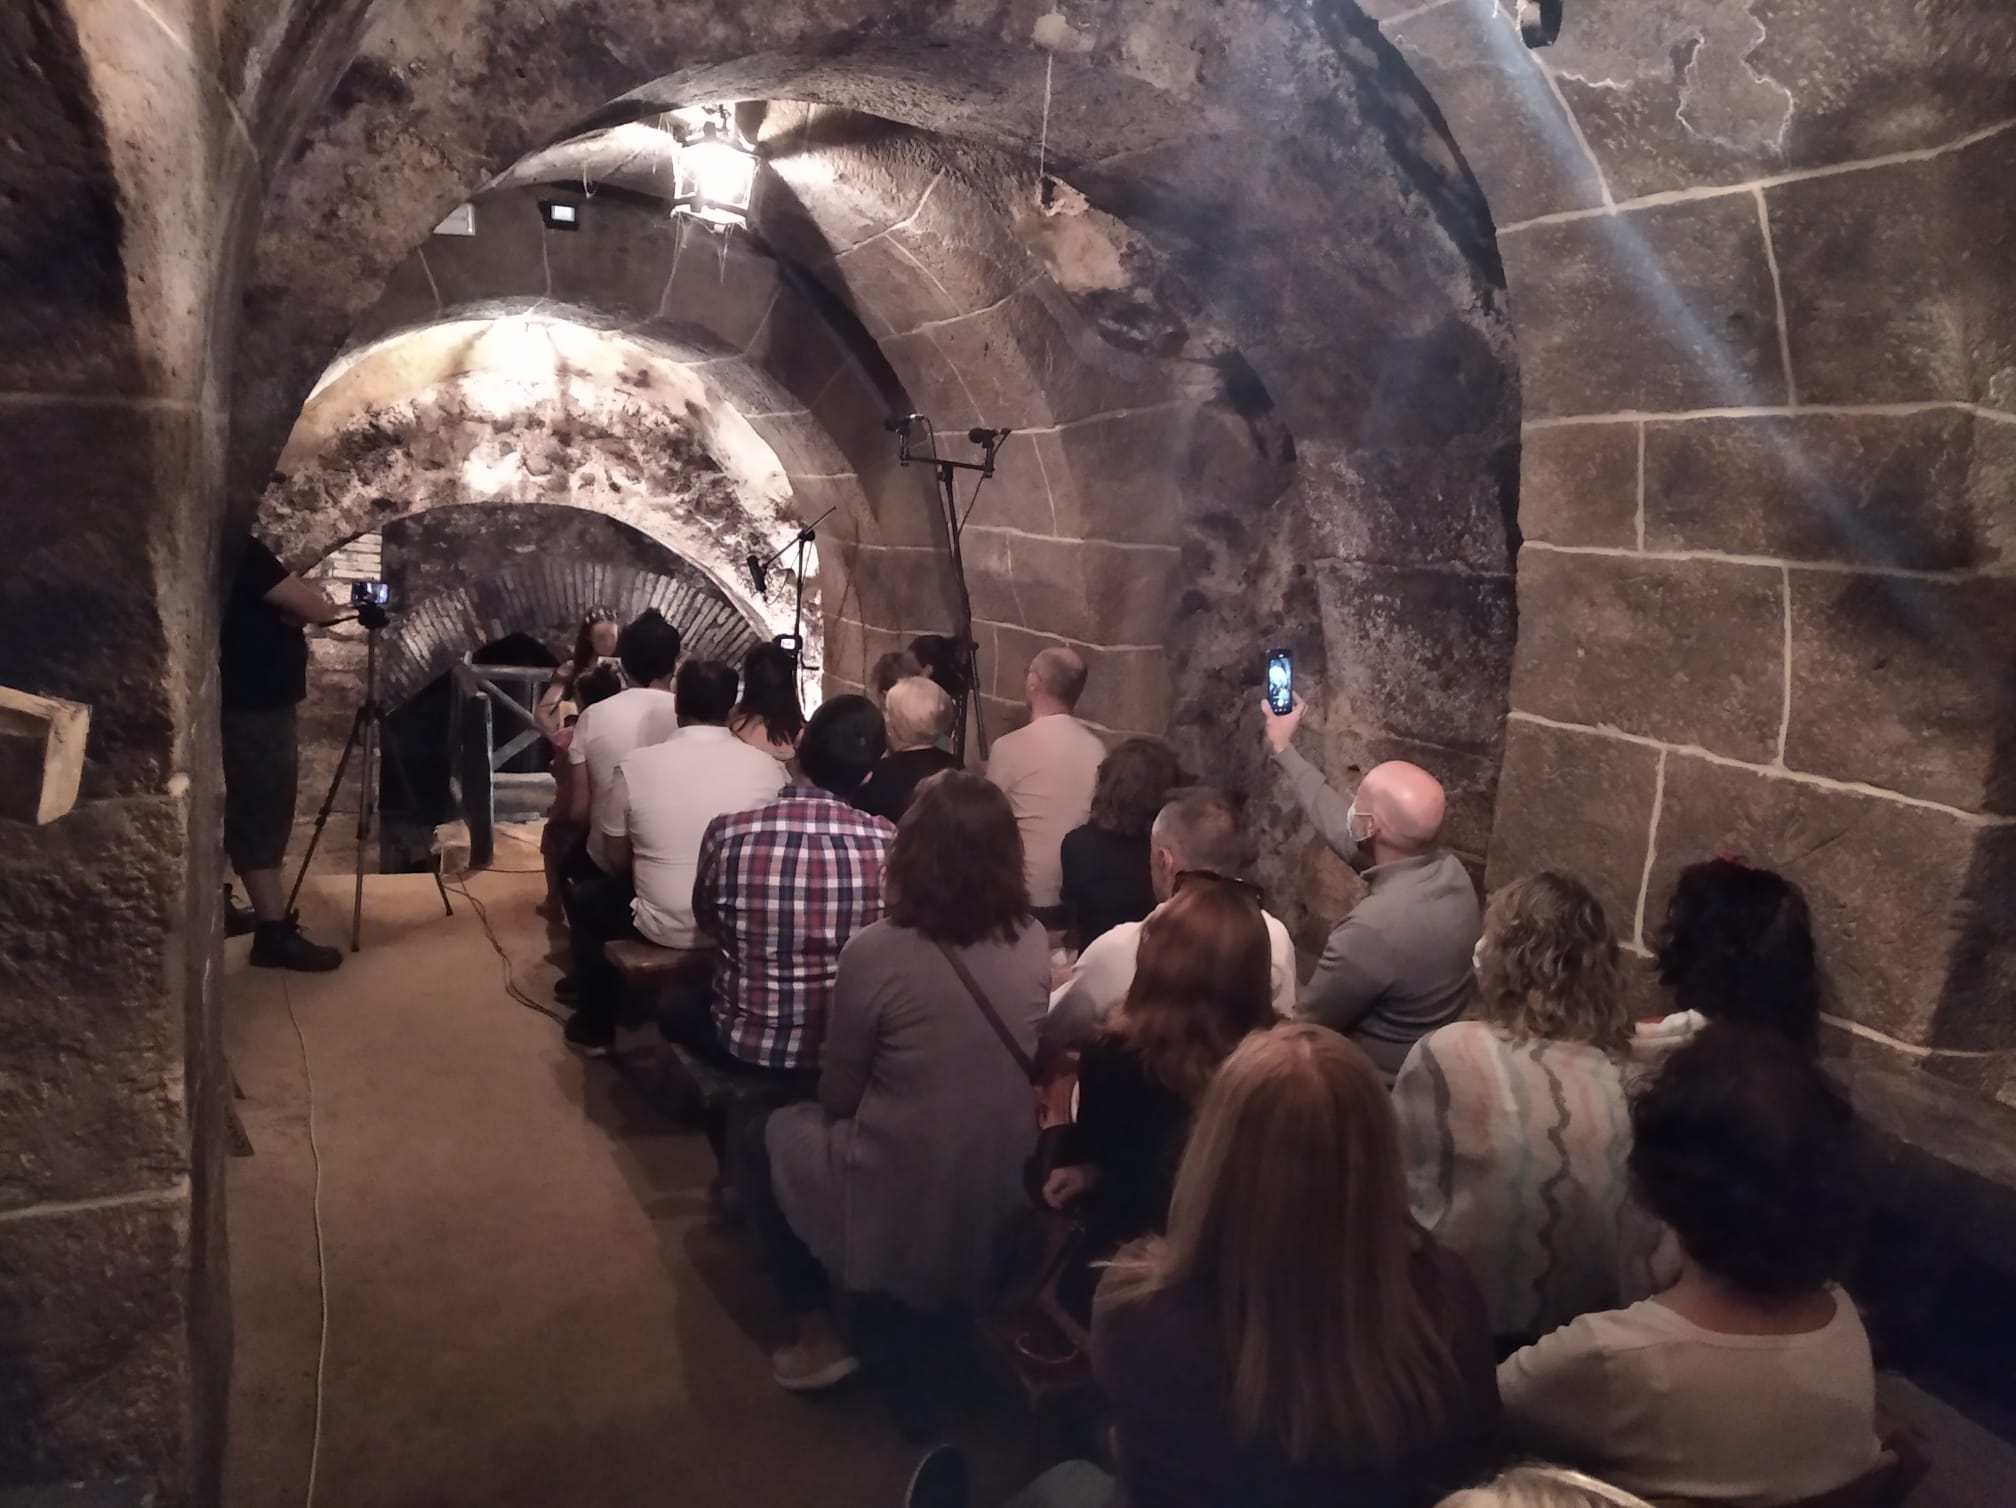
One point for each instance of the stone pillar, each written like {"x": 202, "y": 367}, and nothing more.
{"x": 114, "y": 1336}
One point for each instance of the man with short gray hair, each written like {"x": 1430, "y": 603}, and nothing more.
{"x": 1047, "y": 770}
{"x": 1400, "y": 964}
{"x": 1196, "y": 833}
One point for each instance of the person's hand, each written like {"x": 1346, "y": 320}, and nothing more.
{"x": 1281, "y": 726}
{"x": 1066, "y": 1186}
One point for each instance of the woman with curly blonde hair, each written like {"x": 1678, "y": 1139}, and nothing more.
{"x": 1514, "y": 1122}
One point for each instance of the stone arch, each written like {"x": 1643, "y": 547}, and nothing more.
{"x": 1210, "y": 171}
{"x": 435, "y": 633}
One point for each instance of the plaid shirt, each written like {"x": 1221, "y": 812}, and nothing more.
{"x": 781, "y": 889}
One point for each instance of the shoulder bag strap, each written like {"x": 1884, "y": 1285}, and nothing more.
{"x": 1022, "y": 1059}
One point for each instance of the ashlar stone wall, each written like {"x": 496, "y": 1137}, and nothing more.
{"x": 1767, "y": 599}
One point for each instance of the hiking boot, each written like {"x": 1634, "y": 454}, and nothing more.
{"x": 239, "y": 921}
{"x": 280, "y": 945}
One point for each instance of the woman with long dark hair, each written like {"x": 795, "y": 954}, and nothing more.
{"x": 899, "y": 1180}
{"x": 594, "y": 643}
{"x": 769, "y": 716}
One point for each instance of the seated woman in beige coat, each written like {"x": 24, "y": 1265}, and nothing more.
{"x": 900, "y": 1178}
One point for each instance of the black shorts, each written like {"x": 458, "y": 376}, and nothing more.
{"x": 260, "y": 774}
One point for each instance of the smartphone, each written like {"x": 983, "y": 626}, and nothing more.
{"x": 371, "y": 593}
{"x": 1281, "y": 683}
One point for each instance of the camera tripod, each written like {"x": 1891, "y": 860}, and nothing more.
{"x": 368, "y": 732}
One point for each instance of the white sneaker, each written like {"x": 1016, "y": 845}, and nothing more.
{"x": 798, "y": 1369}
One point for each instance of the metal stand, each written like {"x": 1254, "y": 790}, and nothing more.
{"x": 367, "y": 731}
{"x": 946, "y": 472}
{"x": 759, "y": 578}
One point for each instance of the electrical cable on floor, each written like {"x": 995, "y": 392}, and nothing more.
{"x": 461, "y": 888}
{"x": 321, "y": 1251}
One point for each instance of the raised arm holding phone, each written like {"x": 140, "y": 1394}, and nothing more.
{"x": 1399, "y": 965}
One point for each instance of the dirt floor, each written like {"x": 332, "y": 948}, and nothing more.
{"x": 526, "y": 1303}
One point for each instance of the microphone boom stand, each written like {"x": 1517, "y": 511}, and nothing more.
{"x": 946, "y": 473}
{"x": 759, "y": 578}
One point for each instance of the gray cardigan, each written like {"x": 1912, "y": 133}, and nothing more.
{"x": 903, "y": 1174}
{"x": 1400, "y": 964}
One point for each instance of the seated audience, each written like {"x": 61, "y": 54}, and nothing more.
{"x": 1736, "y": 946}
{"x": 661, "y": 801}
{"x": 1196, "y": 833}
{"x": 917, "y": 714}
{"x": 896, "y": 665}
{"x": 1536, "y": 1486}
{"x": 1104, "y": 863}
{"x": 781, "y": 887}
{"x": 1749, "y": 1381}
{"x": 769, "y": 716}
{"x": 1514, "y": 1123}
{"x": 1295, "y": 1339}
{"x": 606, "y": 733}
{"x": 900, "y": 1180}
{"x": 1048, "y": 769}
{"x": 1399, "y": 965}
{"x": 560, "y": 838}
{"x": 594, "y": 645}
{"x": 1201, "y": 985}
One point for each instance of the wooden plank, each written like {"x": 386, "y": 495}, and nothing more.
{"x": 41, "y": 754}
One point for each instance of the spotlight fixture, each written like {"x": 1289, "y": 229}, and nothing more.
{"x": 717, "y": 174}
{"x": 560, "y": 214}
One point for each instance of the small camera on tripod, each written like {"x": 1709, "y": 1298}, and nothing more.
{"x": 371, "y": 598}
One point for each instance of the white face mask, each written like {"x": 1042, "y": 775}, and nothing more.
{"x": 1357, "y": 857}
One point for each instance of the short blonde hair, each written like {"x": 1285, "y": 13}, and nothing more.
{"x": 918, "y": 712}
{"x": 1543, "y": 1487}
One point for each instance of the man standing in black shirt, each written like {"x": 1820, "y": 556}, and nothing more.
{"x": 264, "y": 662}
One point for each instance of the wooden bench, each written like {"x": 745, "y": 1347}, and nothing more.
{"x": 651, "y": 976}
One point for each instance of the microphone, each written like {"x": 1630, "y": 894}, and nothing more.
{"x": 757, "y": 573}
{"x": 988, "y": 436}
{"x": 897, "y": 423}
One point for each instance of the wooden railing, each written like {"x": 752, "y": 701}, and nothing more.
{"x": 483, "y": 695}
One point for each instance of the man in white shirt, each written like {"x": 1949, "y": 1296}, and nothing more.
{"x": 666, "y": 794}
{"x": 1195, "y": 833}
{"x": 610, "y": 730}
{"x": 1047, "y": 770}
{"x": 660, "y": 801}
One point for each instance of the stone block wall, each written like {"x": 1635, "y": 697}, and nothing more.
{"x": 114, "y": 1329}
{"x": 1767, "y": 595}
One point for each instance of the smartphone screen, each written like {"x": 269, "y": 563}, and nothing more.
{"x": 1280, "y": 683}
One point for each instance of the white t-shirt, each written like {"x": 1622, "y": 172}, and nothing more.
{"x": 1652, "y": 1402}
{"x": 662, "y": 799}
{"x": 605, "y": 734}
{"x": 1047, "y": 770}
{"x": 1100, "y": 979}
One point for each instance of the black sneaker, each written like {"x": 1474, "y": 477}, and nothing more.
{"x": 939, "y": 1480}
{"x": 280, "y": 945}
{"x": 239, "y": 921}
{"x": 588, "y": 1036}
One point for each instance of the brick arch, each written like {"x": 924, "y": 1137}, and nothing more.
{"x": 432, "y": 635}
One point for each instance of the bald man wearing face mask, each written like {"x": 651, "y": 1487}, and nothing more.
{"x": 1400, "y": 964}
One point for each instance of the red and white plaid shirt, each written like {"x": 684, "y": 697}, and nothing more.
{"x": 781, "y": 888}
